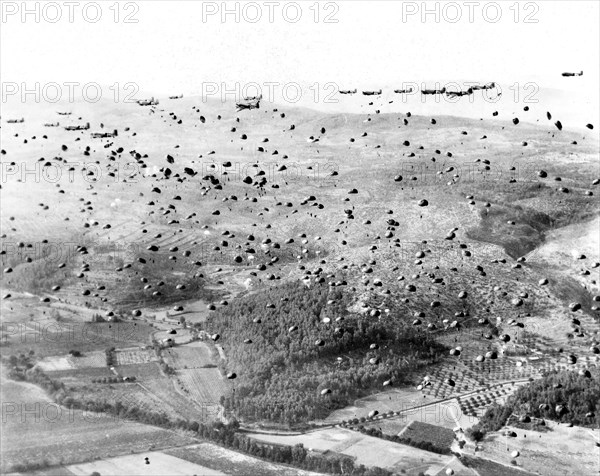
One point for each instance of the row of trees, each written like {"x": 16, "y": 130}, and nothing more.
{"x": 113, "y": 380}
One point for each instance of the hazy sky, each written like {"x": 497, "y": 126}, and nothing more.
{"x": 173, "y": 49}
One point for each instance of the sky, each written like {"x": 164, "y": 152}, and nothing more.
{"x": 188, "y": 46}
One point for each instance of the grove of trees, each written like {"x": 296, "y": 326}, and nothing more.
{"x": 288, "y": 344}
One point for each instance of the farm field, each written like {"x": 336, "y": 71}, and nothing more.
{"x": 77, "y": 377}
{"x": 151, "y": 391}
{"x": 393, "y": 400}
{"x": 492, "y": 468}
{"x": 48, "y": 338}
{"x": 194, "y": 312}
{"x": 232, "y": 463}
{"x": 203, "y": 385}
{"x": 131, "y": 395}
{"x": 165, "y": 390}
{"x": 160, "y": 464}
{"x": 55, "y": 364}
{"x": 53, "y": 471}
{"x": 191, "y": 356}
{"x": 55, "y": 435}
{"x": 135, "y": 356}
{"x": 143, "y": 371}
{"x": 92, "y": 359}
{"x": 183, "y": 336}
{"x": 368, "y": 450}
{"x": 445, "y": 414}
{"x": 424, "y": 432}
{"x": 388, "y": 426}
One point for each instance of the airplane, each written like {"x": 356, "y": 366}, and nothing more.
{"x": 253, "y": 104}
{"x": 100, "y": 135}
{"x": 52, "y": 124}
{"x": 15, "y": 121}
{"x": 573, "y": 74}
{"x": 176, "y": 97}
{"x": 148, "y": 102}
{"x": 478, "y": 87}
{"x": 403, "y": 91}
{"x": 434, "y": 91}
{"x": 459, "y": 93}
{"x": 253, "y": 98}
{"x": 60, "y": 113}
{"x": 371, "y": 93}
{"x": 78, "y": 127}
{"x": 347, "y": 91}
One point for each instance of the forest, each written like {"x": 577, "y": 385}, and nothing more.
{"x": 298, "y": 353}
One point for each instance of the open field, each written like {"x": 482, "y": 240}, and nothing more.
{"x": 165, "y": 390}
{"x": 55, "y": 363}
{"x": 393, "y": 400}
{"x": 492, "y": 468}
{"x": 195, "y": 311}
{"x": 183, "y": 336}
{"x": 203, "y": 385}
{"x": 160, "y": 464}
{"x": 565, "y": 450}
{"x": 90, "y": 359}
{"x": 33, "y": 329}
{"x": 191, "y": 356}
